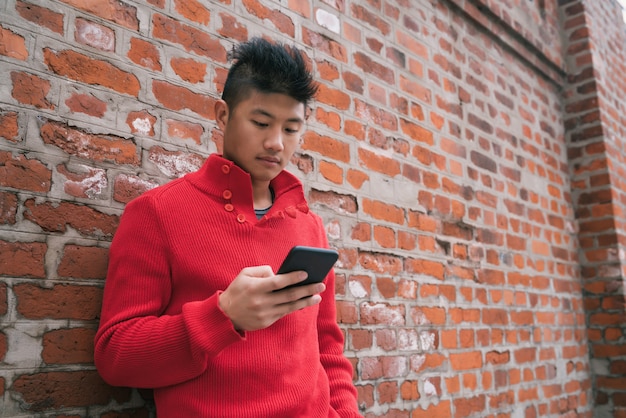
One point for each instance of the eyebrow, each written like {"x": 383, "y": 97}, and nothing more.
{"x": 263, "y": 112}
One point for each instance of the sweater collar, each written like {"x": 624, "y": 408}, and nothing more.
{"x": 224, "y": 179}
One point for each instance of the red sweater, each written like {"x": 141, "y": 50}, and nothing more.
{"x": 161, "y": 327}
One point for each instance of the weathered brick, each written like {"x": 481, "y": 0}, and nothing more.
{"x": 53, "y": 217}
{"x": 58, "y": 302}
{"x": 84, "y": 145}
{"x": 23, "y": 259}
{"x": 31, "y": 90}
{"x": 192, "y": 39}
{"x": 78, "y": 262}
{"x": 113, "y": 10}
{"x": 87, "y": 104}
{"x": 12, "y": 45}
{"x": 80, "y": 67}
{"x": 179, "y": 98}
{"x": 41, "y": 16}
{"x": 94, "y": 35}
{"x": 57, "y": 389}
{"x": 68, "y": 346}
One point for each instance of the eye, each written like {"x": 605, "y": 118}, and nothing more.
{"x": 260, "y": 124}
{"x": 292, "y": 129}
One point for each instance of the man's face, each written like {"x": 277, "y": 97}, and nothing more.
{"x": 261, "y": 133}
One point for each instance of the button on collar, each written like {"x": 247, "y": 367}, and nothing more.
{"x": 227, "y": 194}
{"x": 228, "y": 207}
{"x": 225, "y": 169}
{"x": 241, "y": 218}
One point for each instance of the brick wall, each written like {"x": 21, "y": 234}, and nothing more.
{"x": 439, "y": 153}
{"x": 594, "y": 100}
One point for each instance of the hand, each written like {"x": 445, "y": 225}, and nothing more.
{"x": 252, "y": 302}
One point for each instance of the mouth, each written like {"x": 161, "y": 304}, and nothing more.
{"x": 270, "y": 160}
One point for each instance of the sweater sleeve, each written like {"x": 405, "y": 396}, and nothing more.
{"x": 136, "y": 344}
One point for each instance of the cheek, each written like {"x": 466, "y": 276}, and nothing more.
{"x": 292, "y": 143}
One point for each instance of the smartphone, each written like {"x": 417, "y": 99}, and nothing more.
{"x": 317, "y": 262}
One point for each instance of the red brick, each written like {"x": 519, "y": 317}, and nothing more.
{"x": 84, "y": 181}
{"x": 333, "y": 97}
{"x": 40, "y": 16}
{"x": 127, "y": 187}
{"x": 113, "y": 10}
{"x": 382, "y": 314}
{"x": 185, "y": 130}
{"x": 23, "y": 259}
{"x": 141, "y": 122}
{"x": 68, "y": 346}
{"x": 331, "y": 172}
{"x": 82, "y": 68}
{"x": 12, "y": 45}
{"x": 466, "y": 361}
{"x": 440, "y": 410}
{"x": 372, "y": 19}
{"x": 326, "y": 146}
{"x": 87, "y": 104}
{"x": 174, "y": 163}
{"x": 8, "y": 208}
{"x": 52, "y": 217}
{"x": 192, "y": 39}
{"x": 79, "y": 262}
{"x": 281, "y": 21}
{"x": 145, "y": 54}
{"x": 31, "y": 90}
{"x": 4, "y": 304}
{"x": 232, "y": 28}
{"x": 58, "y": 302}
{"x": 383, "y": 211}
{"x": 179, "y": 98}
{"x": 55, "y": 390}
{"x": 324, "y": 44}
{"x": 9, "y": 126}
{"x": 84, "y": 145}
{"x": 94, "y": 35}
{"x": 3, "y": 347}
{"x": 380, "y": 163}
{"x": 193, "y": 10}
{"x": 189, "y": 69}
{"x": 380, "y": 263}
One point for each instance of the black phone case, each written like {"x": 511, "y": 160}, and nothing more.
{"x": 317, "y": 262}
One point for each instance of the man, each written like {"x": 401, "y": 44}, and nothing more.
{"x": 192, "y": 306}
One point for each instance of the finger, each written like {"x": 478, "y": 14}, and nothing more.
{"x": 288, "y": 279}
{"x": 301, "y": 303}
{"x": 258, "y": 271}
{"x": 300, "y": 292}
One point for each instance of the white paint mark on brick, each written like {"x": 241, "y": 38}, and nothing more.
{"x": 136, "y": 181}
{"x": 356, "y": 289}
{"x": 417, "y": 361}
{"x": 419, "y": 318}
{"x": 429, "y": 388}
{"x": 93, "y": 184}
{"x": 407, "y": 340}
{"x": 142, "y": 126}
{"x": 333, "y": 229}
{"x": 396, "y": 367}
{"x": 427, "y": 340}
{"x": 327, "y": 20}
{"x": 174, "y": 165}
{"x": 384, "y": 313}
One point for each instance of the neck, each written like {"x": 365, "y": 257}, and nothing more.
{"x": 261, "y": 194}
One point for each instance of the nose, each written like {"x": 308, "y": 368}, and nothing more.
{"x": 274, "y": 139}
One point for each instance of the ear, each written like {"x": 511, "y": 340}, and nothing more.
{"x": 221, "y": 114}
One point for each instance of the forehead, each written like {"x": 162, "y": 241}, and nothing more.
{"x": 272, "y": 105}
